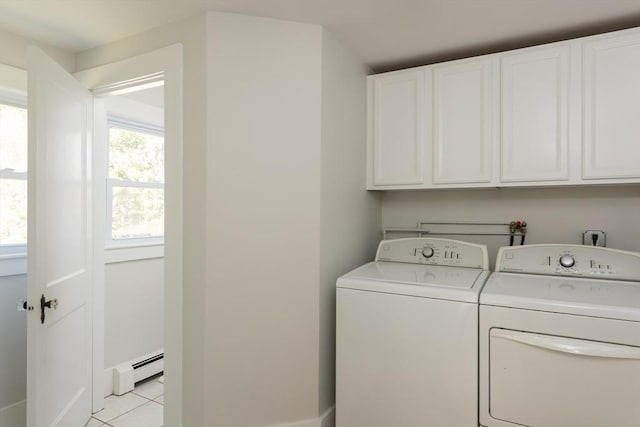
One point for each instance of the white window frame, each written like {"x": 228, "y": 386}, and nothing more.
{"x": 13, "y": 257}
{"x": 119, "y": 250}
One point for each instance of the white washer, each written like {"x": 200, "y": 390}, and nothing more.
{"x": 560, "y": 338}
{"x": 406, "y": 327}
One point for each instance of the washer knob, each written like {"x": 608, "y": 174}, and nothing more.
{"x": 427, "y": 252}
{"x": 567, "y": 261}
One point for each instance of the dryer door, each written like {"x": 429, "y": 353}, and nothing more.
{"x": 552, "y": 381}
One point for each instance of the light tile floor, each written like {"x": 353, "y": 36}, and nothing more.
{"x": 141, "y": 407}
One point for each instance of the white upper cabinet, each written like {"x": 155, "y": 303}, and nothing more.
{"x": 535, "y": 114}
{"x": 565, "y": 113}
{"x": 462, "y": 132}
{"x": 612, "y": 107}
{"x": 397, "y": 129}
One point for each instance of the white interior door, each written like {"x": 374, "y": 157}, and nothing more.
{"x": 59, "y": 247}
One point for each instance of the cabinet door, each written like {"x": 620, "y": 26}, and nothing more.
{"x": 462, "y": 122}
{"x": 612, "y": 107}
{"x": 535, "y": 114}
{"x": 397, "y": 127}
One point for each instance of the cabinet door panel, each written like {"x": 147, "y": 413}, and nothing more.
{"x": 535, "y": 88}
{"x": 398, "y": 128}
{"x": 462, "y": 122}
{"x": 612, "y": 108}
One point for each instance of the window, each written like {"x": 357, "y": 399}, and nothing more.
{"x": 13, "y": 176}
{"x": 135, "y": 183}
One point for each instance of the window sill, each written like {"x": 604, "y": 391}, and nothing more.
{"x": 13, "y": 264}
{"x": 115, "y": 253}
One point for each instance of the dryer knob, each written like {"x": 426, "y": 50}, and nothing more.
{"x": 567, "y": 261}
{"x": 427, "y": 252}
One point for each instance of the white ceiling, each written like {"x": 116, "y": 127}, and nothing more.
{"x": 385, "y": 34}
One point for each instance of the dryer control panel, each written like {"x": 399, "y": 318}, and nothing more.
{"x": 432, "y": 251}
{"x": 570, "y": 260}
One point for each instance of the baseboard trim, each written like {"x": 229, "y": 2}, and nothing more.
{"x": 327, "y": 419}
{"x": 14, "y": 415}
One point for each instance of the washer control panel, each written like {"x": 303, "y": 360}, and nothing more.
{"x": 570, "y": 260}
{"x": 432, "y": 251}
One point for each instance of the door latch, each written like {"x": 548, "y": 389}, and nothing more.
{"x": 24, "y": 306}
{"x": 52, "y": 303}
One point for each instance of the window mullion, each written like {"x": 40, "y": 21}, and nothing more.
{"x": 136, "y": 184}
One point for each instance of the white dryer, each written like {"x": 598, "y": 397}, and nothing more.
{"x": 406, "y": 327}
{"x": 560, "y": 338}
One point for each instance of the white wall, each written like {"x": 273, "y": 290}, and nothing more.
{"x": 13, "y": 341}
{"x": 133, "y": 310}
{"x": 264, "y": 101}
{"x": 289, "y": 215}
{"x": 554, "y": 215}
{"x": 13, "y": 51}
{"x": 350, "y": 216}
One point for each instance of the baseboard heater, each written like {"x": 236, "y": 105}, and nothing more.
{"x": 127, "y": 375}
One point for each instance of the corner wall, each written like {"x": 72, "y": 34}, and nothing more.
{"x": 13, "y": 51}
{"x": 350, "y": 216}
{"x": 263, "y": 224}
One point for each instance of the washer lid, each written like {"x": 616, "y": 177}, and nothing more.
{"x": 429, "y": 281}
{"x": 611, "y": 299}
